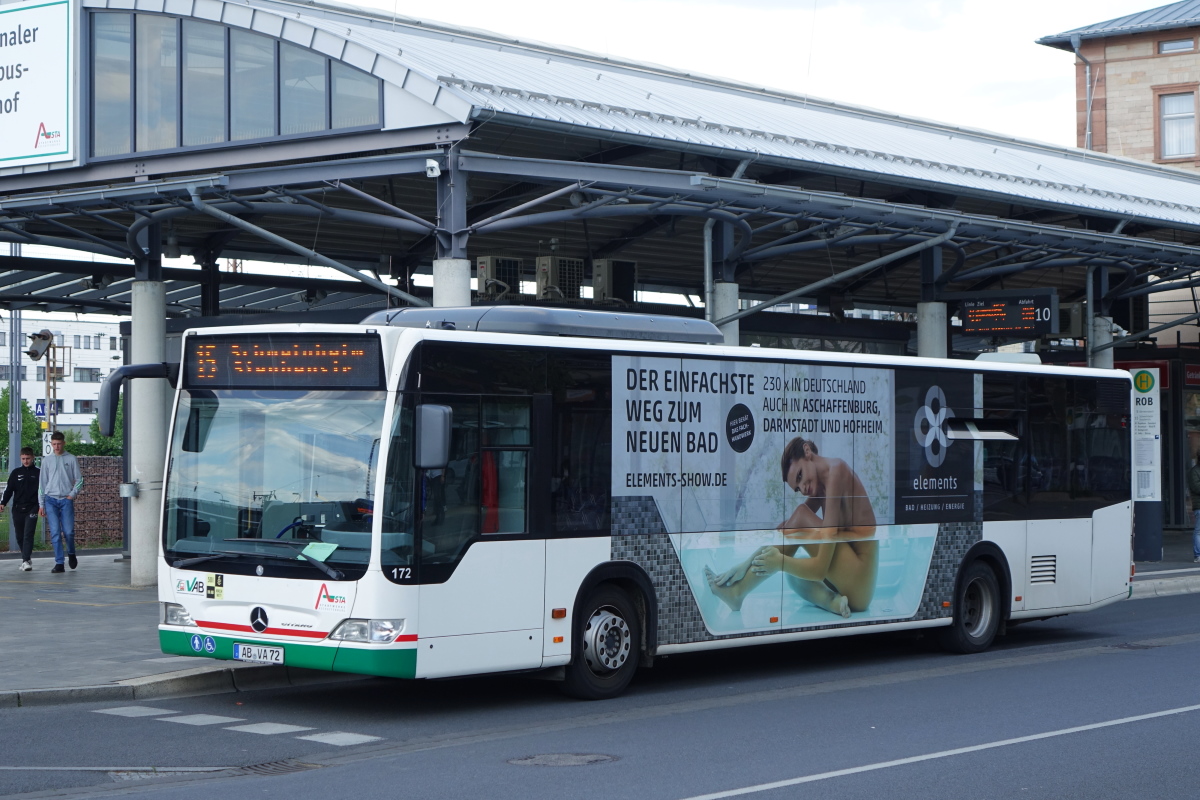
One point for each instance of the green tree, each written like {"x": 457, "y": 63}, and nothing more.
{"x": 31, "y": 428}
{"x": 105, "y": 445}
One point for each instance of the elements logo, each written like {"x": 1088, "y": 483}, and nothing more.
{"x": 929, "y": 426}
{"x": 190, "y": 586}
{"x": 329, "y": 602}
{"x": 45, "y": 135}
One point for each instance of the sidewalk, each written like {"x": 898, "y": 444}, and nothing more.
{"x": 86, "y": 635}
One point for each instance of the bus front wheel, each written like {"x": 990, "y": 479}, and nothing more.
{"x": 977, "y": 610}
{"x": 607, "y": 646}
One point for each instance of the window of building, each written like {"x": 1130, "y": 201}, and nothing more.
{"x": 160, "y": 82}
{"x": 41, "y": 405}
{"x": 95, "y": 342}
{"x": 6, "y": 374}
{"x": 3, "y": 338}
{"x": 1177, "y": 46}
{"x": 59, "y": 339}
{"x": 1178, "y": 124}
{"x": 77, "y": 345}
{"x": 58, "y": 373}
{"x": 112, "y": 343}
{"x": 85, "y": 406}
{"x": 87, "y": 375}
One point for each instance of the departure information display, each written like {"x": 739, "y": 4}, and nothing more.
{"x": 1033, "y": 314}
{"x": 283, "y": 361}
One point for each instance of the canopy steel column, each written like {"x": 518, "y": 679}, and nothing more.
{"x": 451, "y": 268}
{"x": 151, "y": 398}
{"x": 932, "y": 333}
{"x": 15, "y": 354}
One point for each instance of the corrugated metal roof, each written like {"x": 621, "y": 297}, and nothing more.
{"x": 1185, "y": 14}
{"x": 545, "y": 85}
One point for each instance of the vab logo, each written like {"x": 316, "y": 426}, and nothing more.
{"x": 327, "y": 601}
{"x": 45, "y": 135}
{"x": 190, "y": 586}
{"x": 929, "y": 426}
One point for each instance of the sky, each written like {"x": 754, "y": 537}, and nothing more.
{"x": 972, "y": 63}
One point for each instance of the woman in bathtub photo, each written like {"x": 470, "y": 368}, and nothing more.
{"x": 843, "y": 559}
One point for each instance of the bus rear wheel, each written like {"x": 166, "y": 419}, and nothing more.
{"x": 607, "y": 646}
{"x": 977, "y": 611}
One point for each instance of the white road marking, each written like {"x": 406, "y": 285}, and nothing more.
{"x": 958, "y": 751}
{"x": 1148, "y": 574}
{"x": 167, "y": 770}
{"x": 133, "y": 711}
{"x": 269, "y": 728}
{"x": 201, "y": 719}
{"x": 340, "y": 738}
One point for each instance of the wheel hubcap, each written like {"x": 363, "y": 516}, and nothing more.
{"x": 606, "y": 641}
{"x": 978, "y": 609}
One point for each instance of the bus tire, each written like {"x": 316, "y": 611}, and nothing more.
{"x": 607, "y": 645}
{"x": 977, "y": 610}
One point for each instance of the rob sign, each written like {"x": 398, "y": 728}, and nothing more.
{"x": 37, "y": 91}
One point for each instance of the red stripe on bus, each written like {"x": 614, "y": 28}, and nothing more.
{"x": 226, "y": 626}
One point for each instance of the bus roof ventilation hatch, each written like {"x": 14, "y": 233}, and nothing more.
{"x": 553, "y": 322}
{"x": 1011, "y": 358}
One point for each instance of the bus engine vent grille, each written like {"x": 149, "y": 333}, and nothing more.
{"x": 1043, "y": 569}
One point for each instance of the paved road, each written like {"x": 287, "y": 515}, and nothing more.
{"x": 728, "y": 721}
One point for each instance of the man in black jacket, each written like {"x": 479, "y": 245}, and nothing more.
{"x": 22, "y": 490}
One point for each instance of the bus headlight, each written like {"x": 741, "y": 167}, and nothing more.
{"x": 375, "y": 631}
{"x": 175, "y": 614}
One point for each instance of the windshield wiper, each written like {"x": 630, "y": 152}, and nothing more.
{"x": 321, "y": 565}
{"x": 188, "y": 562}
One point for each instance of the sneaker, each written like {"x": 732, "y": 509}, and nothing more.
{"x": 72, "y": 560}
{"x": 58, "y": 568}
{"x": 26, "y": 566}
{"x": 1196, "y": 560}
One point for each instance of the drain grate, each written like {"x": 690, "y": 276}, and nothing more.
{"x": 277, "y": 767}
{"x": 562, "y": 760}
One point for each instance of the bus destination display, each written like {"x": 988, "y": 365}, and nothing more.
{"x": 283, "y": 361}
{"x": 1029, "y": 315}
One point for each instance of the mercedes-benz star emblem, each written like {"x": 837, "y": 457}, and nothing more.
{"x": 258, "y": 619}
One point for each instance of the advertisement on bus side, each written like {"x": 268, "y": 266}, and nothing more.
{"x": 795, "y": 495}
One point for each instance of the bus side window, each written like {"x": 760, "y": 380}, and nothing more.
{"x": 581, "y": 470}
{"x": 504, "y": 460}
{"x": 1005, "y": 462}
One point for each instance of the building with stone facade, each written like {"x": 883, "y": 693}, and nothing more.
{"x": 1143, "y": 72}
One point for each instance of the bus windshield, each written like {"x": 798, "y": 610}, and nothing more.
{"x": 256, "y": 477}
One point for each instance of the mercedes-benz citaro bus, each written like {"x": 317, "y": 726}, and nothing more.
{"x": 442, "y": 492}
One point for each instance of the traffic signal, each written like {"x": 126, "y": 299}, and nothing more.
{"x": 41, "y": 342}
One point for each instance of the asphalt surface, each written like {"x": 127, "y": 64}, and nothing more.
{"x": 1057, "y": 709}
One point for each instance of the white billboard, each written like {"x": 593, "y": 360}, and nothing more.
{"x": 37, "y": 82}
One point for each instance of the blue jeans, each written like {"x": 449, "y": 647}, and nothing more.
{"x": 1196, "y": 536}
{"x": 60, "y": 517}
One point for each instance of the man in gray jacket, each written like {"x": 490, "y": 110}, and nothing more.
{"x": 61, "y": 481}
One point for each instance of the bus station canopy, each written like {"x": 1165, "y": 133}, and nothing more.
{"x": 485, "y": 145}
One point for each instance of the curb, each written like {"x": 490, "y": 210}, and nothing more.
{"x": 1164, "y": 587}
{"x": 185, "y": 683}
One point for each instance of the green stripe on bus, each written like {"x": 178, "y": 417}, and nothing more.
{"x": 390, "y": 663}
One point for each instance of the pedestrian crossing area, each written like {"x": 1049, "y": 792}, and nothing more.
{"x": 332, "y": 738}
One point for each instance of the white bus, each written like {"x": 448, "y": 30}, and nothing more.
{"x": 442, "y": 492}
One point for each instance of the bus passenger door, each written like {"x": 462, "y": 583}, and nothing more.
{"x": 482, "y": 572}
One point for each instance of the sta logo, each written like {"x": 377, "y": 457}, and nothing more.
{"x": 44, "y": 135}
{"x": 190, "y": 586}
{"x": 329, "y": 602}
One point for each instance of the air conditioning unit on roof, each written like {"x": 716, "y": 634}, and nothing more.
{"x": 498, "y": 275}
{"x": 613, "y": 279}
{"x": 559, "y": 278}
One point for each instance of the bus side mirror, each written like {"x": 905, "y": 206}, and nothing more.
{"x": 432, "y": 429}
